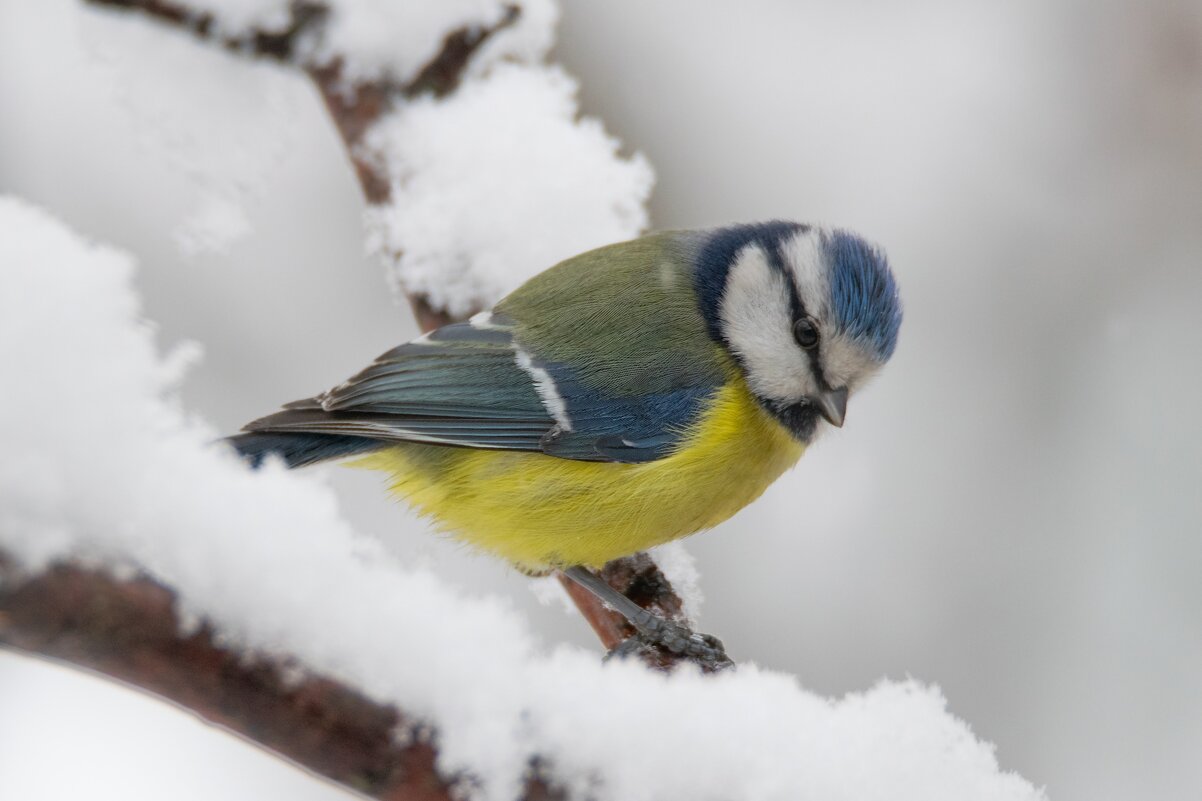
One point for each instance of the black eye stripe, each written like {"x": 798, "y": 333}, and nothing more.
{"x": 799, "y": 315}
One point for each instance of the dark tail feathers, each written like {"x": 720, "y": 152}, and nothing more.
{"x": 301, "y": 449}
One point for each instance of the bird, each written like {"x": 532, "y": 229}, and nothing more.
{"x": 631, "y": 395}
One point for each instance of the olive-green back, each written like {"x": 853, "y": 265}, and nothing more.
{"x": 624, "y": 316}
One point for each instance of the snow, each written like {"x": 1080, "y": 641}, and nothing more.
{"x": 678, "y": 566}
{"x": 123, "y": 745}
{"x": 214, "y": 226}
{"x": 101, "y": 463}
{"x": 385, "y": 39}
{"x": 378, "y": 38}
{"x": 238, "y": 17}
{"x": 497, "y": 183}
{"x": 228, "y": 124}
{"x": 548, "y": 591}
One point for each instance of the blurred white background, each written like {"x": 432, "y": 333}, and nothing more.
{"x": 1013, "y": 510}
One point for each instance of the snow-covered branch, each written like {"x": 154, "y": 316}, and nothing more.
{"x": 129, "y": 629}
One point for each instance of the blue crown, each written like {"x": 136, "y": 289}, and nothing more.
{"x": 863, "y": 293}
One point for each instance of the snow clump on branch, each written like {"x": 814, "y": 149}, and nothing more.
{"x": 496, "y": 183}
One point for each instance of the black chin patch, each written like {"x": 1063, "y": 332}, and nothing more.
{"x": 800, "y": 418}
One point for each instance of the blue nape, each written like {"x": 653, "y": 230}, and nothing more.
{"x": 863, "y": 292}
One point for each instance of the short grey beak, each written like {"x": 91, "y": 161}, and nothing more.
{"x": 833, "y": 405}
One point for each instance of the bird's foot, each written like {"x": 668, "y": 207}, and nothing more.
{"x": 657, "y": 634}
{"x": 659, "y": 641}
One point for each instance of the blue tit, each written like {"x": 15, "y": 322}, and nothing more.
{"x": 628, "y": 396}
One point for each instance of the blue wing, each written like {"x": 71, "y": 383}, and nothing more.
{"x": 628, "y": 428}
{"x": 472, "y": 385}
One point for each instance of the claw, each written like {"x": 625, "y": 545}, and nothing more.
{"x": 703, "y": 650}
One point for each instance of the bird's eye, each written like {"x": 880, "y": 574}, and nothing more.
{"x": 806, "y": 333}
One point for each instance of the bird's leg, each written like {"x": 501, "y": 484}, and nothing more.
{"x": 676, "y": 638}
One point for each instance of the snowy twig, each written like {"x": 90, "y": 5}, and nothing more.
{"x": 129, "y": 629}
{"x": 354, "y": 106}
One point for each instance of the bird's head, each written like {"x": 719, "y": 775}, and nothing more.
{"x": 808, "y": 313}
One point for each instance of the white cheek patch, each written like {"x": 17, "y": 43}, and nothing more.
{"x": 803, "y": 253}
{"x": 845, "y": 363}
{"x": 757, "y": 318}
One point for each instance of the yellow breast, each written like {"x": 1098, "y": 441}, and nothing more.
{"x": 539, "y": 511}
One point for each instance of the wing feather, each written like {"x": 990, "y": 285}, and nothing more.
{"x": 459, "y": 386}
